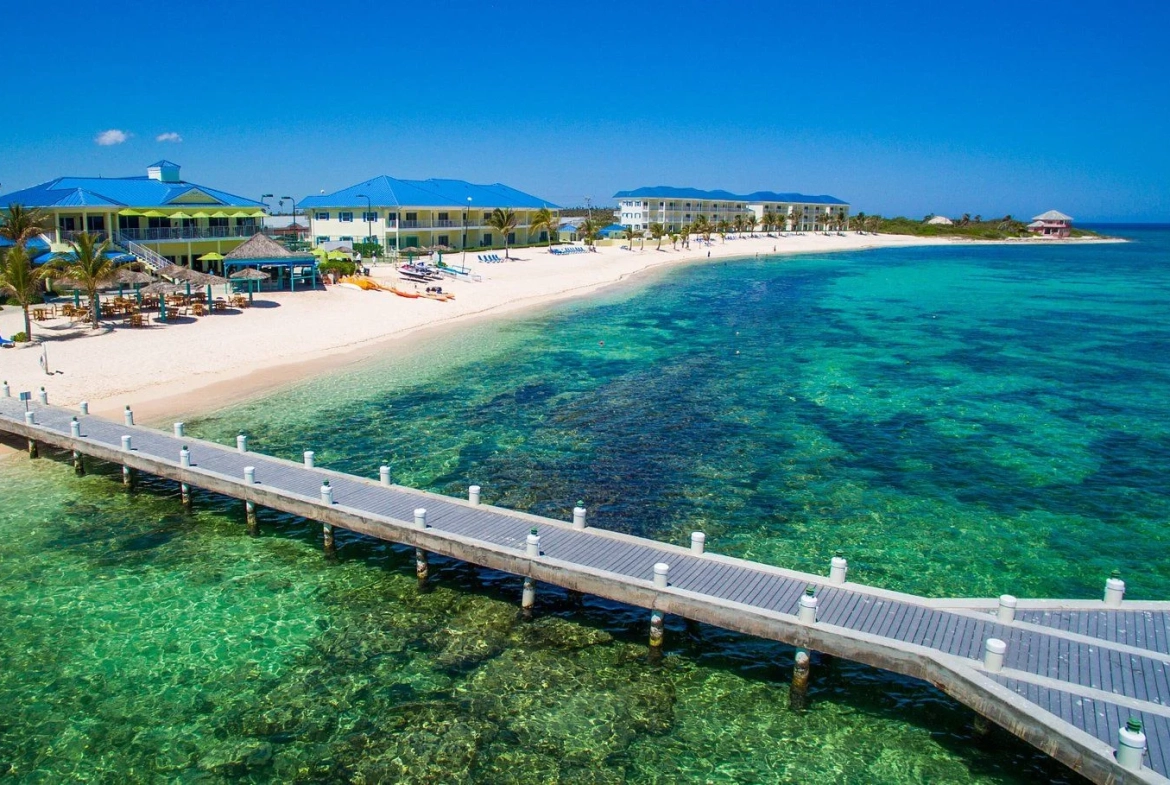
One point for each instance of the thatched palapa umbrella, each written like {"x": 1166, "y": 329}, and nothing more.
{"x": 209, "y": 280}
{"x": 252, "y": 276}
{"x": 162, "y": 289}
{"x": 134, "y": 278}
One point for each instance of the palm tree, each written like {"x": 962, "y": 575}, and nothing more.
{"x": 722, "y": 226}
{"x": 22, "y": 224}
{"x": 861, "y": 222}
{"x": 674, "y": 238}
{"x": 504, "y": 220}
{"x": 685, "y": 234}
{"x": 768, "y": 221}
{"x": 588, "y": 230}
{"x": 631, "y": 235}
{"x": 750, "y": 222}
{"x": 657, "y": 231}
{"x": 738, "y": 223}
{"x": 90, "y": 267}
{"x": 21, "y": 281}
{"x": 544, "y": 221}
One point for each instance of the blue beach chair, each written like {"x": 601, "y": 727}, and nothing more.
{"x": 5, "y": 343}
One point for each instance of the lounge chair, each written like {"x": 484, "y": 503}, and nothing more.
{"x": 5, "y": 343}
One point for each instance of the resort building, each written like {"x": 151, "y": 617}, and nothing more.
{"x": 676, "y": 207}
{"x": 401, "y": 214}
{"x": 1051, "y": 224}
{"x": 159, "y": 217}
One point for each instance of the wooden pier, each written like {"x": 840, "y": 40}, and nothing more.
{"x": 1064, "y": 675}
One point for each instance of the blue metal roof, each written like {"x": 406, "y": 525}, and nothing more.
{"x": 668, "y": 192}
{"x": 387, "y": 191}
{"x": 120, "y": 192}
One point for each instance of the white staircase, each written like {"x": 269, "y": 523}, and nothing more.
{"x": 145, "y": 255}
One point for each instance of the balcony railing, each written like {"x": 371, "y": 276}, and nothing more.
{"x": 69, "y": 235}
{"x": 447, "y": 223}
{"x": 413, "y": 225}
{"x": 189, "y": 233}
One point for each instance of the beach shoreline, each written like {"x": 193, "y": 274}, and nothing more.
{"x": 199, "y": 367}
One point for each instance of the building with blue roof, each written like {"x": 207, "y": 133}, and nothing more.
{"x": 677, "y": 207}
{"x": 159, "y": 217}
{"x": 421, "y": 213}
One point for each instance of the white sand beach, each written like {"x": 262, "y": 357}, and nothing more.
{"x": 201, "y": 364}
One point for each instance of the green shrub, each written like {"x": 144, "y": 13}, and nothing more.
{"x": 20, "y": 337}
{"x": 339, "y": 266}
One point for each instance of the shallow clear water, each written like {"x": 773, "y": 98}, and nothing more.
{"x": 959, "y": 420}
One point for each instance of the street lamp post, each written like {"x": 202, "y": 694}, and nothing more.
{"x": 369, "y": 219}
{"x": 293, "y": 202}
{"x": 466, "y": 212}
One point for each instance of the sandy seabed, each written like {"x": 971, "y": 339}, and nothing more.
{"x": 197, "y": 365}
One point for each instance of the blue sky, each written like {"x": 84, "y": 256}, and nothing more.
{"x": 985, "y": 108}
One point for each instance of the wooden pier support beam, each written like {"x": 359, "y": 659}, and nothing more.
{"x": 798, "y": 690}
{"x": 657, "y": 633}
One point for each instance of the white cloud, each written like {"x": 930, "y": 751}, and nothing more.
{"x": 112, "y": 136}
{"x": 170, "y": 136}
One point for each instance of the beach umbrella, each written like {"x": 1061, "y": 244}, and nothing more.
{"x": 211, "y": 257}
{"x": 252, "y": 276}
{"x": 134, "y": 278}
{"x": 162, "y": 289}
{"x": 319, "y": 252}
{"x": 209, "y": 280}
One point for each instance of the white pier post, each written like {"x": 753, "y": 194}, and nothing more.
{"x": 579, "y": 516}
{"x": 184, "y": 462}
{"x": 30, "y": 418}
{"x": 1006, "y": 612}
{"x": 532, "y": 544}
{"x": 43, "y": 396}
{"x": 798, "y": 689}
{"x": 180, "y": 430}
{"x": 657, "y": 634}
{"x": 327, "y": 528}
{"x": 473, "y": 494}
{"x": 5, "y": 390}
{"x": 838, "y": 568}
{"x": 241, "y": 443}
{"x": 698, "y": 543}
{"x": 1131, "y": 745}
{"x": 309, "y": 459}
{"x": 420, "y": 518}
{"x": 249, "y": 506}
{"x": 127, "y": 472}
{"x": 78, "y": 462}
{"x": 128, "y": 416}
{"x": 661, "y": 574}
{"x": 528, "y": 599}
{"x": 384, "y": 474}
{"x": 808, "y": 606}
{"x": 1114, "y": 590}
{"x": 993, "y": 653}
{"x": 84, "y": 407}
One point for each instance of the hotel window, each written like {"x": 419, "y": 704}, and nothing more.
{"x": 321, "y": 216}
{"x": 322, "y": 239}
{"x": 444, "y": 239}
{"x": 487, "y": 217}
{"x": 511, "y": 238}
{"x": 345, "y": 217}
{"x": 67, "y": 224}
{"x": 369, "y": 217}
{"x": 95, "y": 223}
{"x": 487, "y": 238}
{"x": 345, "y": 239}
{"x": 412, "y": 216}
{"x": 444, "y": 217}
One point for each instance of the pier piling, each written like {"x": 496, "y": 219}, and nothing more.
{"x": 798, "y": 689}
{"x": 579, "y": 516}
{"x": 127, "y": 472}
{"x": 1006, "y": 612}
{"x": 30, "y": 418}
{"x": 808, "y": 606}
{"x": 128, "y": 416}
{"x": 698, "y": 543}
{"x": 993, "y": 653}
{"x": 43, "y": 397}
{"x": 241, "y": 443}
{"x": 422, "y": 567}
{"x": 657, "y": 633}
{"x": 384, "y": 474}
{"x": 661, "y": 574}
{"x": 532, "y": 543}
{"x": 180, "y": 430}
{"x": 78, "y": 461}
{"x": 1114, "y": 590}
{"x": 309, "y": 458}
{"x": 5, "y": 390}
{"x": 84, "y": 407}
{"x": 420, "y": 518}
{"x": 473, "y": 494}
{"x": 838, "y": 568}
{"x": 1131, "y": 744}
{"x": 528, "y": 599}
{"x": 250, "y": 506}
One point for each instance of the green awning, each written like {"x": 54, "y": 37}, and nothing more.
{"x": 200, "y": 215}
{"x": 240, "y": 214}
{"x": 220, "y": 214}
{"x": 179, "y": 214}
{"x": 129, "y": 212}
{"x": 154, "y": 214}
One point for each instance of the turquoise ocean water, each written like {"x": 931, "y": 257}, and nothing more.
{"x": 961, "y": 421}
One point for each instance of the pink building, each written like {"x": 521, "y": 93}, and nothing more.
{"x": 1051, "y": 224}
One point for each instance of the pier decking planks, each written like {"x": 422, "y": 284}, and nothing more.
{"x": 1042, "y": 648}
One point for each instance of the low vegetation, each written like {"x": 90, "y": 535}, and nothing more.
{"x": 974, "y": 227}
